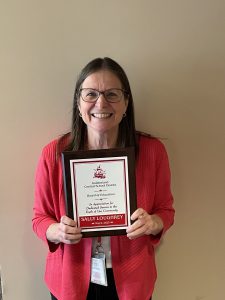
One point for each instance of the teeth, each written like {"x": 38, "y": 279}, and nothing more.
{"x": 101, "y": 116}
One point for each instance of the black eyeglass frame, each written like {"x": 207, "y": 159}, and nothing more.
{"x": 125, "y": 94}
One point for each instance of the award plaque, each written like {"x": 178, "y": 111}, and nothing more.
{"x": 100, "y": 189}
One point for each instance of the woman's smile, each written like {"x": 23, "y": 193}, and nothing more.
{"x": 101, "y": 115}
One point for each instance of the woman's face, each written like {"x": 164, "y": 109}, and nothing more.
{"x": 102, "y": 116}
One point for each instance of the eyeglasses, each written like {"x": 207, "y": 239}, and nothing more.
{"x": 111, "y": 95}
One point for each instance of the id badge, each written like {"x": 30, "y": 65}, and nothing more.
{"x": 98, "y": 269}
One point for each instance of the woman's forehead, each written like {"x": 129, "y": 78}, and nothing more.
{"x": 102, "y": 79}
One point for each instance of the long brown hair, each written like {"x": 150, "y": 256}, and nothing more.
{"x": 78, "y": 134}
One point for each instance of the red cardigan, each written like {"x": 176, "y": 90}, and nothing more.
{"x": 68, "y": 266}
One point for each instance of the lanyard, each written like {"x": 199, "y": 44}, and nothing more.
{"x": 99, "y": 248}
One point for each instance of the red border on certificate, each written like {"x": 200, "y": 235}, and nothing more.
{"x": 102, "y": 220}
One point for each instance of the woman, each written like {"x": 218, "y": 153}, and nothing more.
{"x": 103, "y": 117}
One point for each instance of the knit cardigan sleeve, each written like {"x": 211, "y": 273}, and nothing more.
{"x": 154, "y": 182}
{"x": 46, "y": 187}
{"x": 163, "y": 204}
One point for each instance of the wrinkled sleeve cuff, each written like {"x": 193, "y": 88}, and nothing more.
{"x": 41, "y": 229}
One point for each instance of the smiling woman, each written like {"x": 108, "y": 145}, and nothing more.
{"x": 103, "y": 117}
{"x": 108, "y": 75}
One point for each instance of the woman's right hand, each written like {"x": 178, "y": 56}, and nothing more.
{"x": 65, "y": 232}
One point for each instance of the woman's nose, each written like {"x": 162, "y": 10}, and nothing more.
{"x": 101, "y": 101}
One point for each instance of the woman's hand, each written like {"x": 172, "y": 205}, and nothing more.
{"x": 65, "y": 232}
{"x": 144, "y": 224}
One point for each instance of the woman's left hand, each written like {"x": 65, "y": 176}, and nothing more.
{"x": 144, "y": 224}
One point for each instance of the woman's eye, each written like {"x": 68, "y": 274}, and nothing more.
{"x": 111, "y": 94}
{"x": 91, "y": 94}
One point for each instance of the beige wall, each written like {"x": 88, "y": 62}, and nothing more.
{"x": 174, "y": 54}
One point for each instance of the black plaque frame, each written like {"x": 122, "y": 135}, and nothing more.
{"x": 67, "y": 156}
